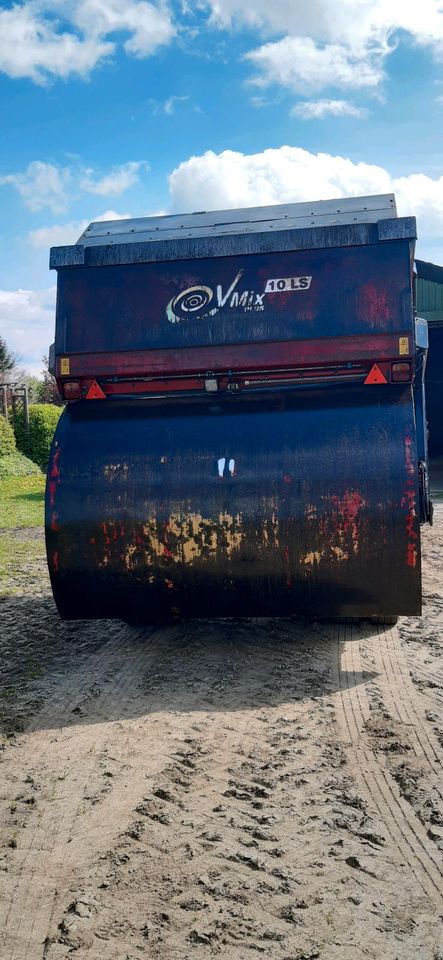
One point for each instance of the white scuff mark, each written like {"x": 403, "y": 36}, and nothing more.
{"x": 221, "y": 300}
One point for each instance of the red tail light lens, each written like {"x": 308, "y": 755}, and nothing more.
{"x": 401, "y": 372}
{"x": 72, "y": 390}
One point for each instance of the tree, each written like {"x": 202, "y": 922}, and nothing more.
{"x": 34, "y": 386}
{"x": 47, "y": 391}
{"x": 7, "y": 359}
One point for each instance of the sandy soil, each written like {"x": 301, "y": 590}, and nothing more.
{"x": 221, "y": 789}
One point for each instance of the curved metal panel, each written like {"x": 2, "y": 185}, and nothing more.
{"x": 301, "y": 503}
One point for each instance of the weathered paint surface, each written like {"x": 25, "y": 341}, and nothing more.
{"x": 52, "y": 482}
{"x": 244, "y": 356}
{"x": 219, "y": 301}
{"x": 409, "y": 502}
{"x": 313, "y": 512}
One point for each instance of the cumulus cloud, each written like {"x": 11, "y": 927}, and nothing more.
{"x": 50, "y": 185}
{"x": 41, "y": 185}
{"x": 355, "y": 22}
{"x": 62, "y": 234}
{"x": 302, "y": 65}
{"x": 314, "y": 45}
{"x": 118, "y": 180}
{"x": 34, "y": 44}
{"x": 149, "y": 25}
{"x": 27, "y": 324}
{"x": 229, "y": 179}
{"x": 317, "y": 109}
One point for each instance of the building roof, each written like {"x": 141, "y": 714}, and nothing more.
{"x": 429, "y": 271}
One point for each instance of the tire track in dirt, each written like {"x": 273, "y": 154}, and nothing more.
{"x": 45, "y": 848}
{"x": 216, "y": 810}
{"x": 250, "y": 837}
{"x": 429, "y": 684}
{"x": 229, "y": 822}
{"x": 117, "y": 668}
{"x": 400, "y": 821}
{"x": 401, "y": 699}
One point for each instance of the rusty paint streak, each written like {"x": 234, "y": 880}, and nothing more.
{"x": 185, "y": 539}
{"x": 287, "y": 566}
{"x": 373, "y": 304}
{"x": 54, "y": 475}
{"x": 194, "y": 538}
{"x": 346, "y": 520}
{"x": 408, "y": 501}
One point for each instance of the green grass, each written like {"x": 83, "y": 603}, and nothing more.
{"x": 22, "y": 502}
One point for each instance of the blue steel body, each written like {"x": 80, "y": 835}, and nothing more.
{"x": 311, "y": 521}
{"x": 290, "y": 501}
{"x": 355, "y": 290}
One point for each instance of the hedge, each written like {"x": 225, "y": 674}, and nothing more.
{"x": 43, "y": 419}
{"x": 7, "y": 438}
{"x": 16, "y": 465}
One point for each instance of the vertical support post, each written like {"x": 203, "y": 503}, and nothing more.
{"x": 26, "y": 407}
{"x": 4, "y": 396}
{"x": 20, "y": 404}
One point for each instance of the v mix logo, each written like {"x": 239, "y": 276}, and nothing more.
{"x": 200, "y": 301}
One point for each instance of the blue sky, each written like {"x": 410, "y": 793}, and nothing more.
{"x": 129, "y": 107}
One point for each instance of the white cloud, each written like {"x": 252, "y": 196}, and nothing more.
{"x": 317, "y": 45}
{"x": 34, "y": 45}
{"x": 229, "y": 179}
{"x": 232, "y": 179}
{"x": 31, "y": 46}
{"x": 62, "y": 234}
{"x": 355, "y": 22}
{"x": 27, "y": 324}
{"x": 49, "y": 185}
{"x": 303, "y": 65}
{"x": 57, "y": 235}
{"x": 422, "y": 196}
{"x": 118, "y": 180}
{"x": 149, "y": 25}
{"x": 347, "y": 42}
{"x": 169, "y": 106}
{"x": 166, "y": 106}
{"x": 41, "y": 185}
{"x": 317, "y": 109}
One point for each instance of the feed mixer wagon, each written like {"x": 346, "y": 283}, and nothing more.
{"x": 244, "y": 430}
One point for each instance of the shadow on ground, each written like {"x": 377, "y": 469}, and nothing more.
{"x": 61, "y": 674}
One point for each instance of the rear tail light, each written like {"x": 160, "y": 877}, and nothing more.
{"x": 71, "y": 390}
{"x": 401, "y": 372}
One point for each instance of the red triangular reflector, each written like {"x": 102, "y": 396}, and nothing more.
{"x": 95, "y": 392}
{"x": 375, "y": 375}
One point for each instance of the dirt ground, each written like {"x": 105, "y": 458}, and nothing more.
{"x": 234, "y": 790}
